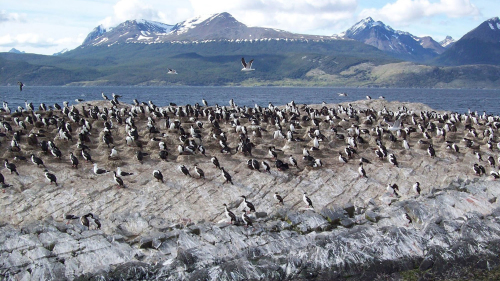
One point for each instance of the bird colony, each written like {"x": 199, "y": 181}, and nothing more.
{"x": 103, "y": 164}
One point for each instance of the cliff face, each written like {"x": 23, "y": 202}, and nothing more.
{"x": 178, "y": 229}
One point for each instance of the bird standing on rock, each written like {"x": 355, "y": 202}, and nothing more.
{"x": 74, "y": 160}
{"x": 392, "y": 189}
{"x": 118, "y": 180}
{"x": 51, "y": 177}
{"x": 246, "y": 219}
{"x": 278, "y": 198}
{"x": 11, "y": 167}
{"x": 37, "y": 161}
{"x": 184, "y": 170}
{"x": 226, "y": 176}
{"x": 416, "y": 188}
{"x": 248, "y": 204}
{"x": 307, "y": 201}
{"x": 199, "y": 171}
{"x": 215, "y": 161}
{"x": 158, "y": 175}
{"x": 230, "y": 215}
{"x": 361, "y": 170}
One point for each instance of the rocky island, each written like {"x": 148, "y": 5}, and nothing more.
{"x": 366, "y": 221}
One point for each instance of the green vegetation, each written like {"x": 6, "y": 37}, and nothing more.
{"x": 277, "y": 63}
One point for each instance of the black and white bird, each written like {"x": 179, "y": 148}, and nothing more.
{"x": 391, "y": 188}
{"x": 158, "y": 175}
{"x": 293, "y": 162}
{"x": 37, "y": 161}
{"x": 139, "y": 155}
{"x": 407, "y": 218}
{"x": 317, "y": 163}
{"x": 118, "y": 180}
{"x": 51, "y": 177}
{"x": 392, "y": 160}
{"x": 248, "y": 204}
{"x": 84, "y": 220}
{"x": 99, "y": 171}
{"x": 342, "y": 159}
{"x": 163, "y": 154}
{"x": 87, "y": 156}
{"x": 121, "y": 173}
{"x": 230, "y": 215}
{"x": 278, "y": 198}
{"x": 184, "y": 170}
{"x": 307, "y": 201}
{"x": 226, "y": 176}
{"x": 247, "y": 66}
{"x": 215, "y": 161}
{"x": 199, "y": 171}
{"x": 478, "y": 169}
{"x": 74, "y": 160}
{"x": 69, "y": 218}
{"x": 246, "y": 219}
{"x": 491, "y": 161}
{"x": 361, "y": 170}
{"x": 266, "y": 166}
{"x": 11, "y": 167}
{"x": 416, "y": 188}
{"x": 114, "y": 153}
{"x": 431, "y": 151}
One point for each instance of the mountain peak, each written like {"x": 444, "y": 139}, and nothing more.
{"x": 96, "y": 32}
{"x": 16, "y": 51}
{"x": 206, "y": 20}
{"x": 488, "y": 31}
{"x": 383, "y": 37}
{"x": 447, "y": 42}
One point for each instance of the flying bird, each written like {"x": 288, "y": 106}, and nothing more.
{"x": 246, "y": 66}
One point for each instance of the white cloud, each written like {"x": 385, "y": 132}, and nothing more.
{"x": 405, "y": 12}
{"x": 34, "y": 41}
{"x": 15, "y": 17}
{"x": 135, "y": 9}
{"x": 290, "y": 15}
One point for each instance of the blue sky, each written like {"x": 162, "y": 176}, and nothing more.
{"x": 49, "y": 26}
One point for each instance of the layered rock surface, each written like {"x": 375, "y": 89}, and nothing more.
{"x": 177, "y": 230}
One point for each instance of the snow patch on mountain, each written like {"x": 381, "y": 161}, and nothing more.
{"x": 166, "y": 27}
{"x": 448, "y": 41}
{"x": 186, "y": 25}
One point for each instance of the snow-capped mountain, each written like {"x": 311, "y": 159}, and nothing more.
{"x": 447, "y": 42}
{"x": 221, "y": 26}
{"x": 98, "y": 31}
{"x": 479, "y": 46}
{"x": 488, "y": 31}
{"x": 383, "y": 37}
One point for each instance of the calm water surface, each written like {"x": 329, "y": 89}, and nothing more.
{"x": 459, "y": 100}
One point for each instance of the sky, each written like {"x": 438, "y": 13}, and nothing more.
{"x": 49, "y": 26}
